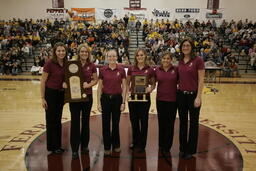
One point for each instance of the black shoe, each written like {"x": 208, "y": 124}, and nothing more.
{"x": 166, "y": 153}
{"x": 84, "y": 150}
{"x": 188, "y": 156}
{"x": 182, "y": 154}
{"x": 75, "y": 155}
{"x": 58, "y": 151}
{"x": 141, "y": 150}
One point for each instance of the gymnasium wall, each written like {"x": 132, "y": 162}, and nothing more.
{"x": 231, "y": 9}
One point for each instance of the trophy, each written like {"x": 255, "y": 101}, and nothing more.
{"x": 74, "y": 79}
{"x": 138, "y": 88}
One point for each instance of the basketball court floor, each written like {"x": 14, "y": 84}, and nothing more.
{"x": 227, "y": 138}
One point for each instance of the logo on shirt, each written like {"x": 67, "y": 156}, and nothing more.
{"x": 117, "y": 74}
{"x": 190, "y": 65}
{"x": 172, "y": 72}
{"x": 88, "y": 68}
{"x": 146, "y": 71}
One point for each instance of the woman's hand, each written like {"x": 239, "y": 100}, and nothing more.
{"x": 86, "y": 85}
{"x": 44, "y": 103}
{"x": 122, "y": 107}
{"x": 197, "y": 102}
{"x": 149, "y": 90}
{"x": 64, "y": 85}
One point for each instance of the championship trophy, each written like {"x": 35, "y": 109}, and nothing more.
{"x": 139, "y": 84}
{"x": 74, "y": 79}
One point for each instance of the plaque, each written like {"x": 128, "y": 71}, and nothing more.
{"x": 138, "y": 88}
{"x": 74, "y": 79}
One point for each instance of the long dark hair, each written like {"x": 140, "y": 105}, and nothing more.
{"x": 191, "y": 42}
{"x": 54, "y": 56}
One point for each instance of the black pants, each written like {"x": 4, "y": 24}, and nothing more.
{"x": 166, "y": 113}
{"x": 111, "y": 109}
{"x": 188, "y": 137}
{"x": 55, "y": 102}
{"x": 75, "y": 136}
{"x": 139, "y": 122}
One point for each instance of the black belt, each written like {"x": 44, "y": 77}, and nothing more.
{"x": 188, "y": 92}
{"x": 111, "y": 95}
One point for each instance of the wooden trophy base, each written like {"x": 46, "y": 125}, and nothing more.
{"x": 135, "y": 99}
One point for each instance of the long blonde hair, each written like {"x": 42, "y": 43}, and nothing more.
{"x": 136, "y": 54}
{"x": 88, "y": 60}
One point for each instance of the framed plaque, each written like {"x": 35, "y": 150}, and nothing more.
{"x": 74, "y": 79}
{"x": 138, "y": 88}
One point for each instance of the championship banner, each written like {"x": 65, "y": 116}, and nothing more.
{"x": 83, "y": 14}
{"x": 56, "y": 13}
{"x": 107, "y": 14}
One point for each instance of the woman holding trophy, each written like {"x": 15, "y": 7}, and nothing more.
{"x": 140, "y": 83}
{"x": 89, "y": 73}
{"x": 111, "y": 101}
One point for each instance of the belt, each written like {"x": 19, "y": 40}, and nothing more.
{"x": 188, "y": 92}
{"x": 111, "y": 95}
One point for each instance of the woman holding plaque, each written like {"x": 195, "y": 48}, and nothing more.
{"x": 166, "y": 76}
{"x": 52, "y": 95}
{"x": 77, "y": 108}
{"x": 190, "y": 86}
{"x": 111, "y": 101}
{"x": 138, "y": 106}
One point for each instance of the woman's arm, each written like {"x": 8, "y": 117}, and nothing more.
{"x": 99, "y": 92}
{"x": 122, "y": 107}
{"x": 198, "y": 99}
{"x": 93, "y": 82}
{"x": 128, "y": 81}
{"x": 43, "y": 81}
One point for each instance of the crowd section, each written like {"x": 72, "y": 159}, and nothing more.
{"x": 222, "y": 43}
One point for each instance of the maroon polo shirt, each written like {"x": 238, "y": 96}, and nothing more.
{"x": 112, "y": 79}
{"x": 147, "y": 70}
{"x": 56, "y": 75}
{"x": 166, "y": 84}
{"x": 88, "y": 70}
{"x": 188, "y": 74}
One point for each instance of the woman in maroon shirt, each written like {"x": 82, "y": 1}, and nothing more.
{"x": 111, "y": 101}
{"x": 191, "y": 82}
{"x": 76, "y": 108}
{"x": 53, "y": 96}
{"x": 139, "y": 111}
{"x": 167, "y": 78}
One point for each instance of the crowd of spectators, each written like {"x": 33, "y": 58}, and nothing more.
{"x": 217, "y": 43}
{"x": 221, "y": 44}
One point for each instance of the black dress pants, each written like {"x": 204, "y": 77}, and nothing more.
{"x": 110, "y": 105}
{"x": 55, "y": 102}
{"x": 76, "y": 109}
{"x": 166, "y": 113}
{"x": 188, "y": 136}
{"x": 139, "y": 121}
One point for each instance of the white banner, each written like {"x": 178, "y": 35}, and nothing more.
{"x": 107, "y": 14}
{"x": 140, "y": 14}
{"x": 56, "y": 13}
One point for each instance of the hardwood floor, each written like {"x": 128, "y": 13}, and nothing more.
{"x": 231, "y": 111}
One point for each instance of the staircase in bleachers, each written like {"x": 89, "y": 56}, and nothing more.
{"x": 135, "y": 42}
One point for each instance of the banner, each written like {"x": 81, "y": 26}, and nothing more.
{"x": 83, "y": 14}
{"x": 107, "y": 14}
{"x": 140, "y": 14}
{"x": 56, "y": 13}
{"x": 188, "y": 13}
